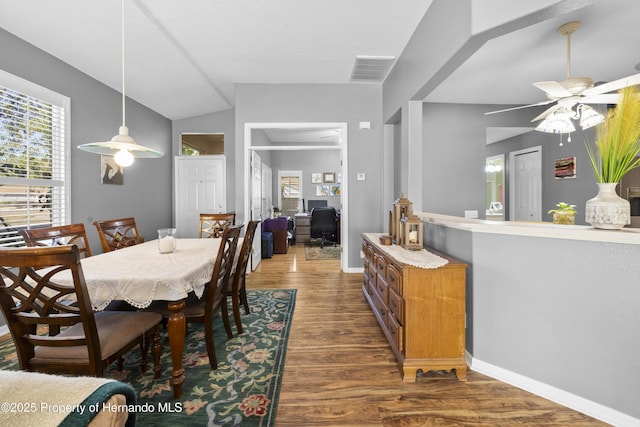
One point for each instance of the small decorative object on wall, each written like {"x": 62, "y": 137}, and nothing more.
{"x": 316, "y": 178}
{"x": 339, "y": 181}
{"x": 565, "y": 168}
{"x": 329, "y": 177}
{"x": 322, "y": 190}
{"x": 335, "y": 190}
{"x": 110, "y": 171}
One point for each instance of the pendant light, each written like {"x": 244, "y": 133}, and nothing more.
{"x": 122, "y": 146}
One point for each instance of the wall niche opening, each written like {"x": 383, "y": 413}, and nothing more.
{"x": 201, "y": 144}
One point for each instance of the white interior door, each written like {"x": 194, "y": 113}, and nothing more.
{"x": 256, "y": 206}
{"x": 199, "y": 188}
{"x": 526, "y": 185}
{"x": 267, "y": 191}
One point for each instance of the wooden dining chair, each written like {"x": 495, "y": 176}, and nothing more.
{"x": 72, "y": 234}
{"x": 211, "y": 225}
{"x": 237, "y": 284}
{"x": 34, "y": 303}
{"x": 202, "y": 310}
{"x": 118, "y": 233}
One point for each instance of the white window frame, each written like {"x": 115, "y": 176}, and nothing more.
{"x": 62, "y": 143}
{"x": 283, "y": 173}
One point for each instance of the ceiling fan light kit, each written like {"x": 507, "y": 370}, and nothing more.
{"x": 574, "y": 91}
{"x": 122, "y": 147}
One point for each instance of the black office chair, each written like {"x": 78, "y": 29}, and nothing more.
{"x": 323, "y": 223}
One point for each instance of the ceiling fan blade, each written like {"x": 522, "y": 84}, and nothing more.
{"x": 614, "y": 85}
{"x": 546, "y": 112}
{"x": 553, "y": 89}
{"x": 549, "y": 101}
{"x": 609, "y": 98}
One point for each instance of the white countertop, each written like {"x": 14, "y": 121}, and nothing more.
{"x": 534, "y": 229}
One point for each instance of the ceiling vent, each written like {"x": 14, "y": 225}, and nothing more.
{"x": 371, "y": 68}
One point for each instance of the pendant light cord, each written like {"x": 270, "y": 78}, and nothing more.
{"x": 123, "y": 86}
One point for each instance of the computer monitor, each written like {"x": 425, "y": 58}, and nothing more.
{"x": 316, "y": 204}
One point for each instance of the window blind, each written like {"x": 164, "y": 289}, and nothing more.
{"x": 290, "y": 192}
{"x": 33, "y": 166}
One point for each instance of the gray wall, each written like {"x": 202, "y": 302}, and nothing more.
{"x": 565, "y": 325}
{"x": 219, "y": 122}
{"x": 96, "y": 115}
{"x": 350, "y": 103}
{"x": 574, "y": 191}
{"x": 308, "y": 162}
{"x": 454, "y": 158}
{"x": 457, "y": 183}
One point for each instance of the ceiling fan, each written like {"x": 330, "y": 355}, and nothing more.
{"x": 575, "y": 90}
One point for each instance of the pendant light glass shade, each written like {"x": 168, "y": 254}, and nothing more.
{"x": 122, "y": 146}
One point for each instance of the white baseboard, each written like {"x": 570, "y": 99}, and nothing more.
{"x": 570, "y": 400}
{"x": 354, "y": 270}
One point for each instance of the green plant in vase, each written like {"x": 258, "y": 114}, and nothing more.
{"x": 565, "y": 214}
{"x": 614, "y": 153}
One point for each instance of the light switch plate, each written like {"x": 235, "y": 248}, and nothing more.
{"x": 361, "y": 176}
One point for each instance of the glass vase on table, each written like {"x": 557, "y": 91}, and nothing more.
{"x": 166, "y": 240}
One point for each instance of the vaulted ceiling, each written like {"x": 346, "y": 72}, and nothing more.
{"x": 184, "y": 58}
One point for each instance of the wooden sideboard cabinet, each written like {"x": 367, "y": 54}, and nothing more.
{"x": 420, "y": 310}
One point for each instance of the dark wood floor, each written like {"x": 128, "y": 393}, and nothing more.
{"x": 340, "y": 370}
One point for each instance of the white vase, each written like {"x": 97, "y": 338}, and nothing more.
{"x": 608, "y": 210}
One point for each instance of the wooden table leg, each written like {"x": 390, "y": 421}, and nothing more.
{"x": 176, "y": 328}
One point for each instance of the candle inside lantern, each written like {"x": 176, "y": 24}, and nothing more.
{"x": 413, "y": 237}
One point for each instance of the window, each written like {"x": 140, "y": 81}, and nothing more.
{"x": 34, "y": 153}
{"x": 290, "y": 192}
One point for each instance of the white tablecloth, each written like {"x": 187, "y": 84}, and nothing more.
{"x": 140, "y": 274}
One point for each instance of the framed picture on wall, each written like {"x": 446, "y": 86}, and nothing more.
{"x": 316, "y": 178}
{"x": 322, "y": 190}
{"x": 329, "y": 177}
{"x": 335, "y": 190}
{"x": 110, "y": 171}
{"x": 565, "y": 168}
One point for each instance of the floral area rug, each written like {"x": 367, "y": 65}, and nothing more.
{"x": 243, "y": 391}
{"x": 317, "y": 253}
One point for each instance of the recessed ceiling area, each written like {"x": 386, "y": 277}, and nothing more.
{"x": 185, "y": 58}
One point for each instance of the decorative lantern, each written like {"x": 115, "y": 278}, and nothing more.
{"x": 401, "y": 208}
{"x": 411, "y": 233}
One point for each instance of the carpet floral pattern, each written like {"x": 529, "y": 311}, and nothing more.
{"x": 242, "y": 391}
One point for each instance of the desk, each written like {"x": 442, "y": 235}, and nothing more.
{"x": 303, "y": 228}
{"x": 140, "y": 274}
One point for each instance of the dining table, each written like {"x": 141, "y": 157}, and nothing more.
{"x": 141, "y": 274}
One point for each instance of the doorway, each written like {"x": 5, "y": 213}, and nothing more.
{"x": 330, "y": 131}
{"x": 525, "y": 184}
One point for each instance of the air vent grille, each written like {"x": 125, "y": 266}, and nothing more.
{"x": 371, "y": 68}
